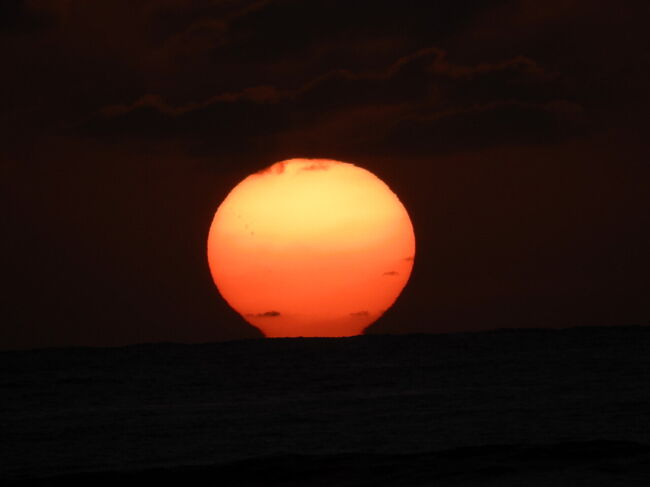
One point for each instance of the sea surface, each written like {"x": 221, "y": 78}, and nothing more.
{"x": 507, "y": 407}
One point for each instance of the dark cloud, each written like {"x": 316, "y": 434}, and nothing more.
{"x": 420, "y": 101}
{"x": 267, "y": 314}
{"x": 317, "y": 166}
{"x": 480, "y": 126}
{"x": 16, "y": 17}
{"x": 360, "y": 314}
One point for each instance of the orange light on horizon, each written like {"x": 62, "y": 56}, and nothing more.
{"x": 311, "y": 247}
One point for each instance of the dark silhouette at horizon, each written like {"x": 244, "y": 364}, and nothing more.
{"x": 503, "y": 406}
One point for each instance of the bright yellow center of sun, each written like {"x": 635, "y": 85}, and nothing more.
{"x": 311, "y": 247}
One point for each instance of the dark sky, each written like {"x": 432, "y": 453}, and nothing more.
{"x": 514, "y": 131}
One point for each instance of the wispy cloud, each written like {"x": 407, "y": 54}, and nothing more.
{"x": 266, "y": 314}
{"x": 360, "y": 314}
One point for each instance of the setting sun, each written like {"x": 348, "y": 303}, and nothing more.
{"x": 311, "y": 247}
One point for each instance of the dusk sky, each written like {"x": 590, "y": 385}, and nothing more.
{"x": 514, "y": 132}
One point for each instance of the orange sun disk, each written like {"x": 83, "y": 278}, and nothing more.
{"x": 311, "y": 247}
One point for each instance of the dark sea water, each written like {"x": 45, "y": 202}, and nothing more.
{"x": 509, "y": 407}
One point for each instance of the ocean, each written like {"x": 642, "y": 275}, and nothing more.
{"x": 505, "y": 407}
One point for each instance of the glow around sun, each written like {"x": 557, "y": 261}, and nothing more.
{"x": 311, "y": 247}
